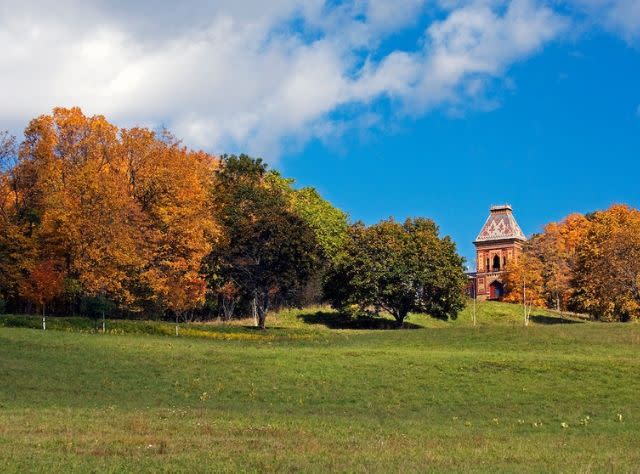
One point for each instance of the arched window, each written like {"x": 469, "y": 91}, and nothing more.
{"x": 496, "y": 263}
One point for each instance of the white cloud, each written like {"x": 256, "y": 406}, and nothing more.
{"x": 248, "y": 74}
{"x": 620, "y": 16}
{"x": 475, "y": 41}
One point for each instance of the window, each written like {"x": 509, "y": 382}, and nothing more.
{"x": 496, "y": 263}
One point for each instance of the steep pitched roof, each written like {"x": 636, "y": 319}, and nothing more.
{"x": 500, "y": 225}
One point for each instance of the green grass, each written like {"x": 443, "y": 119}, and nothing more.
{"x": 308, "y": 396}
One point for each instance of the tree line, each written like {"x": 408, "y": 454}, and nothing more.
{"x": 96, "y": 219}
{"x": 585, "y": 263}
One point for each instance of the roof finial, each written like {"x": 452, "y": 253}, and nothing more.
{"x": 500, "y": 207}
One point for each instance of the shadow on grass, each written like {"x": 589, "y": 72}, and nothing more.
{"x": 345, "y": 321}
{"x": 257, "y": 329}
{"x": 539, "y": 319}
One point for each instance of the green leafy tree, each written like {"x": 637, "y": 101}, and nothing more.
{"x": 267, "y": 250}
{"x": 399, "y": 268}
{"x": 329, "y": 225}
{"x": 327, "y": 222}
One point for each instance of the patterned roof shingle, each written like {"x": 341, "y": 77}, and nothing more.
{"x": 500, "y": 225}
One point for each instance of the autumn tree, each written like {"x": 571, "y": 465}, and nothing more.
{"x": 556, "y": 248}
{"x": 524, "y": 281}
{"x": 173, "y": 188}
{"x": 608, "y": 265}
{"x": 7, "y": 151}
{"x": 268, "y": 251}
{"x": 589, "y": 264}
{"x": 399, "y": 268}
{"x": 127, "y": 213}
{"x": 44, "y": 283}
{"x": 16, "y": 247}
{"x": 72, "y": 170}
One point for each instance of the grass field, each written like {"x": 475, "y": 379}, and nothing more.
{"x": 308, "y": 396}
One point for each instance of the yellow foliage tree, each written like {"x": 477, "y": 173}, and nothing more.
{"x": 556, "y": 248}
{"x": 608, "y": 268}
{"x": 523, "y": 280}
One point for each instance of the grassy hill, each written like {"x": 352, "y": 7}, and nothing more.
{"x": 317, "y": 392}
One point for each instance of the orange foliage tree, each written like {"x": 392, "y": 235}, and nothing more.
{"x": 73, "y": 166}
{"x": 173, "y": 187}
{"x": 523, "y": 281}
{"x": 556, "y": 249}
{"x": 589, "y": 264}
{"x": 126, "y": 212}
{"x": 16, "y": 248}
{"x": 608, "y": 266}
{"x": 45, "y": 282}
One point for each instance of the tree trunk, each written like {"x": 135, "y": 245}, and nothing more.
{"x": 261, "y": 302}
{"x": 262, "y": 318}
{"x": 254, "y": 309}
{"x": 524, "y": 301}
{"x": 228, "y": 307}
{"x": 399, "y": 316}
{"x": 44, "y": 318}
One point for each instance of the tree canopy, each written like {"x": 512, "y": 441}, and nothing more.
{"x": 131, "y": 220}
{"x": 399, "y": 268}
{"x": 588, "y": 264}
{"x": 268, "y": 251}
{"x": 120, "y": 213}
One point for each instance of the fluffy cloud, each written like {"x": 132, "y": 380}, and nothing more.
{"x": 620, "y": 16}
{"x": 475, "y": 42}
{"x": 252, "y": 75}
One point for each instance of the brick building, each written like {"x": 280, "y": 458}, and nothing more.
{"x": 499, "y": 241}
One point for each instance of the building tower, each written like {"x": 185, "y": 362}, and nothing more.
{"x": 499, "y": 241}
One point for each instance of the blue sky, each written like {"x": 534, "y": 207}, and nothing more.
{"x": 565, "y": 137}
{"x": 433, "y": 108}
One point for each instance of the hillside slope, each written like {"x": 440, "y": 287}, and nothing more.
{"x": 496, "y": 398}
